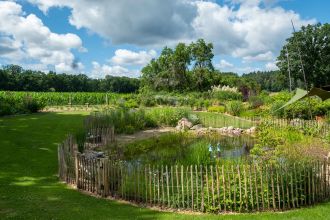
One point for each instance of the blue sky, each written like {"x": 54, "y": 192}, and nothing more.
{"x": 109, "y": 37}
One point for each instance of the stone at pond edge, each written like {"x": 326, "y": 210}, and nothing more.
{"x": 184, "y": 124}
{"x": 196, "y": 127}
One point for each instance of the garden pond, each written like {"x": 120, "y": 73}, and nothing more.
{"x": 183, "y": 148}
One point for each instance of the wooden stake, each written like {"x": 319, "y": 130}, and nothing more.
{"x": 167, "y": 187}
{"x": 224, "y": 188}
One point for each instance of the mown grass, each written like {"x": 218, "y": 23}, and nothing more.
{"x": 211, "y": 119}
{"x": 29, "y": 188}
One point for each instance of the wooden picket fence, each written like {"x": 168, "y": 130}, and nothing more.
{"x": 203, "y": 188}
{"x": 318, "y": 127}
{"x": 95, "y": 137}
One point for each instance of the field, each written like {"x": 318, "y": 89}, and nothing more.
{"x": 30, "y": 188}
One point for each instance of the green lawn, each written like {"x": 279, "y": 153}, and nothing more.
{"x": 29, "y": 188}
{"x": 217, "y": 120}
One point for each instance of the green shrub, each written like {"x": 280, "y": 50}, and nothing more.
{"x": 218, "y": 109}
{"x": 227, "y": 95}
{"x": 131, "y": 103}
{"x": 322, "y": 108}
{"x": 167, "y": 116}
{"x": 275, "y": 111}
{"x": 124, "y": 120}
{"x": 235, "y": 107}
{"x": 80, "y": 137}
{"x": 147, "y": 101}
{"x": 31, "y": 105}
{"x": 255, "y": 101}
{"x": 11, "y": 104}
{"x": 303, "y": 108}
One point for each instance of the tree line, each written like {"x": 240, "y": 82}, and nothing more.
{"x": 15, "y": 78}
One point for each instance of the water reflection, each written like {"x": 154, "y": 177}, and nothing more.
{"x": 186, "y": 150}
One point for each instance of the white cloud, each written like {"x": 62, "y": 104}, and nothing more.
{"x": 25, "y": 39}
{"x": 143, "y": 22}
{"x": 271, "y": 66}
{"x": 224, "y": 64}
{"x": 128, "y": 57}
{"x": 268, "y": 56}
{"x": 247, "y": 30}
{"x": 100, "y": 71}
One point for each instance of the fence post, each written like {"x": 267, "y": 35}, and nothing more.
{"x": 77, "y": 170}
{"x": 202, "y": 188}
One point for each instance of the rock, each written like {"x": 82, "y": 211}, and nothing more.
{"x": 213, "y": 129}
{"x": 184, "y": 124}
{"x": 230, "y": 128}
{"x": 99, "y": 154}
{"x": 93, "y": 154}
{"x": 201, "y": 131}
{"x": 236, "y": 132}
{"x": 196, "y": 127}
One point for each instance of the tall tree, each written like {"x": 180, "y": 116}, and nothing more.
{"x": 313, "y": 42}
{"x": 202, "y": 55}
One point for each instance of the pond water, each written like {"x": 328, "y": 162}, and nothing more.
{"x": 186, "y": 149}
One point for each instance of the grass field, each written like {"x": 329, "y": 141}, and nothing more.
{"x": 29, "y": 188}
{"x": 217, "y": 120}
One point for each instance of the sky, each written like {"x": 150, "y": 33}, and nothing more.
{"x": 111, "y": 37}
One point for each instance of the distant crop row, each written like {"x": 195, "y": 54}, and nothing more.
{"x": 67, "y": 98}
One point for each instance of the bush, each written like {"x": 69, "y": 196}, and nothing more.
{"x": 303, "y": 108}
{"x": 31, "y": 105}
{"x": 147, "y": 101}
{"x": 218, "y": 109}
{"x": 322, "y": 108}
{"x": 235, "y": 107}
{"x": 10, "y": 104}
{"x": 227, "y": 95}
{"x": 255, "y": 101}
{"x": 131, "y": 103}
{"x": 80, "y": 137}
{"x": 167, "y": 116}
{"x": 124, "y": 120}
{"x": 275, "y": 111}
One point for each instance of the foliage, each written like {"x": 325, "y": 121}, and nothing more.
{"x": 68, "y": 98}
{"x": 31, "y": 105}
{"x": 14, "y": 78}
{"x": 313, "y": 42}
{"x": 123, "y": 120}
{"x": 292, "y": 143}
{"x": 226, "y": 95}
{"x": 167, "y": 116}
{"x": 12, "y": 104}
{"x": 275, "y": 111}
{"x": 218, "y": 109}
{"x": 80, "y": 137}
{"x": 255, "y": 101}
{"x": 235, "y": 107}
{"x": 216, "y": 120}
{"x": 131, "y": 103}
